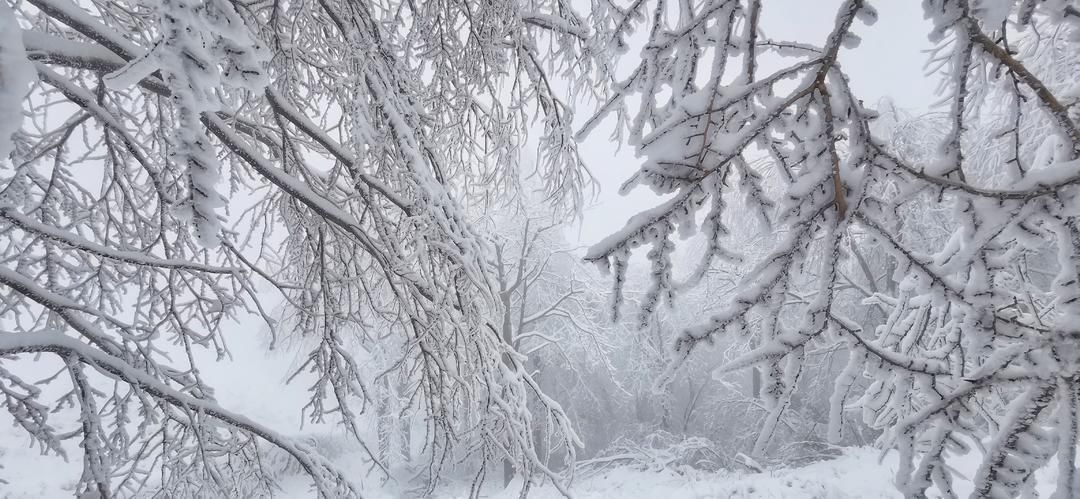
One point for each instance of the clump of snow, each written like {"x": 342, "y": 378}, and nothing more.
{"x": 992, "y": 12}
{"x": 867, "y": 14}
{"x": 16, "y": 76}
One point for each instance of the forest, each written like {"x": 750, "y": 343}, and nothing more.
{"x": 547, "y": 248}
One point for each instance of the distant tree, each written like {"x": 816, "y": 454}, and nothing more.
{"x": 551, "y": 316}
{"x": 968, "y": 341}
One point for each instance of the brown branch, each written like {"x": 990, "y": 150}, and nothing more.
{"x": 1049, "y": 100}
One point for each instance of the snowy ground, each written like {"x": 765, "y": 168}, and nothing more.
{"x": 252, "y": 383}
{"x": 858, "y": 474}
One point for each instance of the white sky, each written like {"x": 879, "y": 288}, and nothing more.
{"x": 889, "y": 62}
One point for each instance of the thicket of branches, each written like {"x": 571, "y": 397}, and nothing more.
{"x": 177, "y": 153}
{"x": 966, "y": 340}
{"x": 355, "y": 155}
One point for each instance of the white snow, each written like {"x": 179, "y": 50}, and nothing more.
{"x": 993, "y": 12}
{"x": 859, "y": 473}
{"x": 252, "y": 382}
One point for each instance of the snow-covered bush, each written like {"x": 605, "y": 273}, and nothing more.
{"x": 655, "y": 452}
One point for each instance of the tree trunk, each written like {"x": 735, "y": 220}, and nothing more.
{"x": 382, "y": 421}
{"x": 540, "y": 419}
{"x": 508, "y": 337}
{"x": 404, "y": 431}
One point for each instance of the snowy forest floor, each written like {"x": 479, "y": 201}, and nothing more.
{"x": 252, "y": 383}
{"x": 857, "y": 474}
{"x": 860, "y": 473}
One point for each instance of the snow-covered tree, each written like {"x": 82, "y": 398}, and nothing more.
{"x": 168, "y": 158}
{"x": 968, "y": 347}
{"x": 176, "y": 154}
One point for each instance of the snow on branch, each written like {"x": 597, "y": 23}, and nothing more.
{"x": 957, "y": 218}
{"x": 295, "y": 144}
